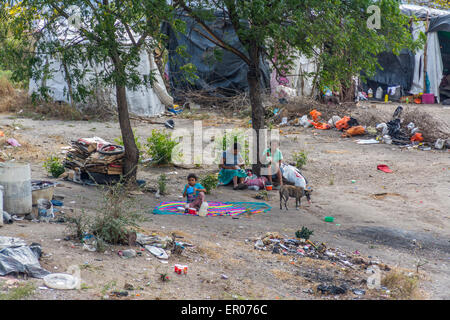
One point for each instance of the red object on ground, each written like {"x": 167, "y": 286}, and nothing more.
{"x": 343, "y": 123}
{"x": 417, "y": 137}
{"x": 384, "y": 168}
{"x": 315, "y": 114}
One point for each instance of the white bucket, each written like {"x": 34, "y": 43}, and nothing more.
{"x": 16, "y": 179}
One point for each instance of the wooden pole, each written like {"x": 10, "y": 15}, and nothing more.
{"x": 425, "y": 58}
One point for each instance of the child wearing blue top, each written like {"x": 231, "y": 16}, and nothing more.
{"x": 194, "y": 192}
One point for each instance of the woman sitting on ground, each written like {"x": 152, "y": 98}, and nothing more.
{"x": 273, "y": 157}
{"x": 231, "y": 168}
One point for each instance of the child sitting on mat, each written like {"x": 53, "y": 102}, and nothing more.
{"x": 194, "y": 192}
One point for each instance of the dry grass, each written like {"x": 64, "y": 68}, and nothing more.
{"x": 210, "y": 249}
{"x": 402, "y": 286}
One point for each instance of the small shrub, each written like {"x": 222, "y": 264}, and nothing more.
{"x": 305, "y": 233}
{"x": 300, "y": 159}
{"x": 160, "y": 147}
{"x": 162, "y": 184}
{"x": 54, "y": 166}
{"x": 209, "y": 182}
{"x": 113, "y": 221}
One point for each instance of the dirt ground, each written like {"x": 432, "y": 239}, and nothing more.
{"x": 415, "y": 207}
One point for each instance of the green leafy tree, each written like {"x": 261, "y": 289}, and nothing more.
{"x": 281, "y": 29}
{"x": 83, "y": 34}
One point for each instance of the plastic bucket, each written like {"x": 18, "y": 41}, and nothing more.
{"x": 192, "y": 211}
{"x": 269, "y": 187}
{"x": 15, "y": 177}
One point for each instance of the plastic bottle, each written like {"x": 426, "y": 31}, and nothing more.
{"x": 203, "y": 209}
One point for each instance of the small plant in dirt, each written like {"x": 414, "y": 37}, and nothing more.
{"x": 54, "y": 166}
{"x": 160, "y": 147}
{"x": 209, "y": 182}
{"x": 300, "y": 158}
{"x": 114, "y": 220}
{"x": 20, "y": 292}
{"x": 305, "y": 233}
{"x": 162, "y": 184}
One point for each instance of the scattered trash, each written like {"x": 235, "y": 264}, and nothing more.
{"x": 13, "y": 142}
{"x": 45, "y": 210}
{"x": 157, "y": 252}
{"x": 178, "y": 268}
{"x": 7, "y": 219}
{"x": 119, "y": 294}
{"x": 359, "y": 292}
{"x": 224, "y": 276}
{"x": 332, "y": 289}
{"x": 16, "y": 257}
{"x": 369, "y": 141}
{"x": 439, "y": 144}
{"x": 62, "y": 281}
{"x": 125, "y": 254}
{"x": 170, "y": 124}
{"x": 329, "y": 219}
{"x": 384, "y": 168}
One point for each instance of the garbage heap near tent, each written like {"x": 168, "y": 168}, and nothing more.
{"x": 95, "y": 155}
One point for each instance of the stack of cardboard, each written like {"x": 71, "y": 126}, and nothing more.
{"x": 95, "y": 155}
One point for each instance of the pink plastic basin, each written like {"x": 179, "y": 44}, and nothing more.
{"x": 428, "y": 98}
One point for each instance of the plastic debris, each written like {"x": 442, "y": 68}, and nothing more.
{"x": 20, "y": 259}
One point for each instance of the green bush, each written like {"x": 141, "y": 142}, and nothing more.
{"x": 209, "y": 182}
{"x": 160, "y": 147}
{"x": 162, "y": 184}
{"x": 300, "y": 159}
{"x": 54, "y": 166}
{"x": 113, "y": 221}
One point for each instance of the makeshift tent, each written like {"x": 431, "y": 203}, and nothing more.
{"x": 225, "y": 74}
{"x": 144, "y": 101}
{"x": 411, "y": 71}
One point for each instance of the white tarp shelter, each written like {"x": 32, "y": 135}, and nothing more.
{"x": 144, "y": 101}
{"x": 428, "y": 59}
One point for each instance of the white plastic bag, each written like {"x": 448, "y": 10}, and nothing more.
{"x": 203, "y": 209}
{"x": 293, "y": 175}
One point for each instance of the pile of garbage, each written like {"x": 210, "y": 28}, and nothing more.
{"x": 300, "y": 248}
{"x": 390, "y": 132}
{"x": 94, "y": 155}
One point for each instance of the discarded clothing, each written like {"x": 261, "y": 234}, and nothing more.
{"x": 354, "y": 131}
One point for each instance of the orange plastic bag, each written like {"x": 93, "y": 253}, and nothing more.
{"x": 315, "y": 115}
{"x": 417, "y": 137}
{"x": 343, "y": 123}
{"x": 354, "y": 131}
{"x": 321, "y": 125}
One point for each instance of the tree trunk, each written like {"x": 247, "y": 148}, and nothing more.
{"x": 131, "y": 150}
{"x": 253, "y": 77}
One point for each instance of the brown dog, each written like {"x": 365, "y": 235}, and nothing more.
{"x": 294, "y": 192}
